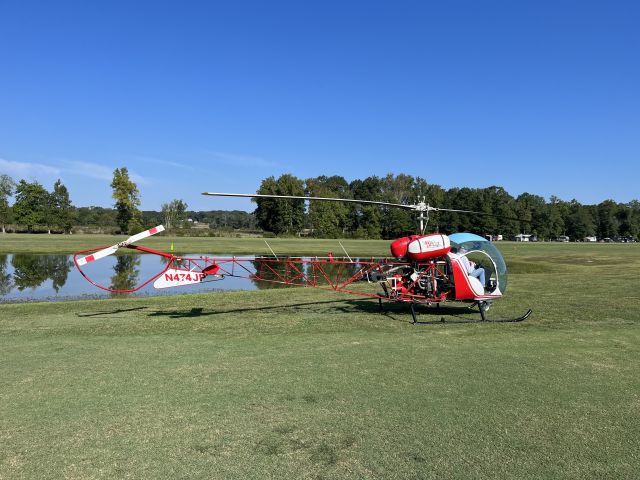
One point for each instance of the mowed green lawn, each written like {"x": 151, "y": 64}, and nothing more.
{"x": 306, "y": 384}
{"x": 43, "y": 243}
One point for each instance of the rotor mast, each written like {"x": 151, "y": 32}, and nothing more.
{"x": 423, "y": 219}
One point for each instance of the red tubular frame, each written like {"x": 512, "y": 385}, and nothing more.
{"x": 297, "y": 272}
{"x": 133, "y": 247}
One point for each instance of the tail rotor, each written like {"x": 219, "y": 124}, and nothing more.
{"x": 114, "y": 248}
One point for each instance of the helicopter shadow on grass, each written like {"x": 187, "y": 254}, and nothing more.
{"x": 201, "y": 312}
{"x": 392, "y": 311}
{"x": 112, "y": 312}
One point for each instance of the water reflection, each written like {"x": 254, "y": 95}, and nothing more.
{"x": 31, "y": 271}
{"x": 126, "y": 273}
{"x": 6, "y": 279}
{"x": 26, "y": 277}
{"x": 49, "y": 277}
{"x": 271, "y": 271}
{"x": 323, "y": 274}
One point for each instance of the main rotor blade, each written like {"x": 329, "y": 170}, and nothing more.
{"x": 295, "y": 197}
{"x": 436, "y": 209}
{"x": 421, "y": 207}
{"x": 114, "y": 248}
{"x": 486, "y": 214}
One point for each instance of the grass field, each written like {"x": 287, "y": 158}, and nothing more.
{"x": 25, "y": 243}
{"x": 307, "y": 384}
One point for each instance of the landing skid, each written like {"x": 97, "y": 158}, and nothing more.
{"x": 483, "y": 306}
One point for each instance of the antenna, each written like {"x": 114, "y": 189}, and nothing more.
{"x": 345, "y": 251}
{"x": 274, "y": 253}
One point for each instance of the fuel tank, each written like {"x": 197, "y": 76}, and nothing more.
{"x": 418, "y": 248}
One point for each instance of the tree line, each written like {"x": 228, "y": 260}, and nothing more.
{"x": 502, "y": 214}
{"x": 35, "y": 205}
{"x": 35, "y": 208}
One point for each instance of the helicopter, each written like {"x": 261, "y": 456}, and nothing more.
{"x": 424, "y": 268}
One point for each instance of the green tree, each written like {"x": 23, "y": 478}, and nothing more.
{"x": 222, "y": 219}
{"x": 328, "y": 219}
{"x": 558, "y": 213}
{"x": 366, "y": 220}
{"x": 96, "y": 216}
{"x": 487, "y": 222}
{"x": 580, "y": 222}
{"x": 461, "y": 199}
{"x": 127, "y": 197}
{"x": 265, "y": 211}
{"x": 398, "y": 189}
{"x": 607, "y": 221}
{"x": 533, "y": 210}
{"x": 49, "y": 213}
{"x": 434, "y": 195}
{"x": 630, "y": 220}
{"x": 174, "y": 213}
{"x": 281, "y": 216}
{"x": 503, "y": 206}
{"x": 7, "y": 186}
{"x": 31, "y": 204}
{"x": 63, "y": 213}
{"x": 290, "y": 218}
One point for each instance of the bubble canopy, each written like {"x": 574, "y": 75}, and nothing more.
{"x": 475, "y": 243}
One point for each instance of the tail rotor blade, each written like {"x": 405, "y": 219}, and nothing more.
{"x": 139, "y": 236}
{"x": 98, "y": 255}
{"x": 114, "y": 248}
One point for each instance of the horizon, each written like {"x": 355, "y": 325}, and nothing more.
{"x": 535, "y": 97}
{"x": 253, "y": 205}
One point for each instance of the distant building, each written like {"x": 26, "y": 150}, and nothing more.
{"x": 494, "y": 238}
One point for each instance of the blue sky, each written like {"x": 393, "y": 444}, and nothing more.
{"x": 539, "y": 96}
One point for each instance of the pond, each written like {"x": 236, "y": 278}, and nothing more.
{"x": 26, "y": 277}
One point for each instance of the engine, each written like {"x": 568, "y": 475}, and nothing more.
{"x": 425, "y": 280}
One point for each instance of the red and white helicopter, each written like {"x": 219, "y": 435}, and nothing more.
{"x": 423, "y": 269}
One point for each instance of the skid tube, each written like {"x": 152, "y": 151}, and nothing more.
{"x": 483, "y": 309}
